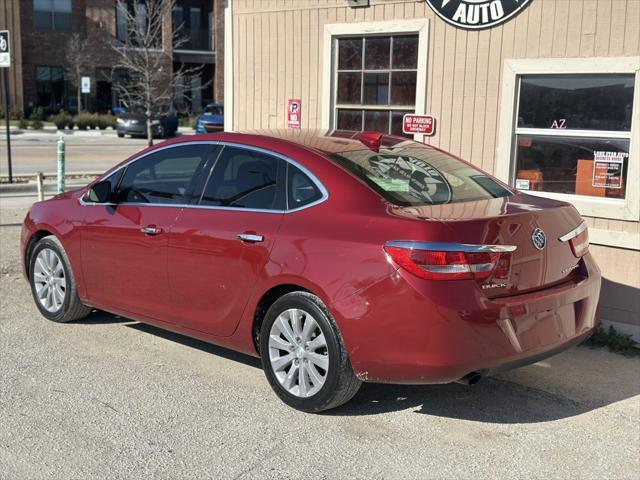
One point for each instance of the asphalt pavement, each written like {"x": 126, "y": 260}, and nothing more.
{"x": 109, "y": 397}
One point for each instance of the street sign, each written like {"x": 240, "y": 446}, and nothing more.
{"x": 5, "y": 51}
{"x": 85, "y": 84}
{"x": 418, "y": 124}
{"x": 294, "y": 113}
{"x": 5, "y": 62}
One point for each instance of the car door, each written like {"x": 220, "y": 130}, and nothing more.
{"x": 218, "y": 249}
{"x": 124, "y": 243}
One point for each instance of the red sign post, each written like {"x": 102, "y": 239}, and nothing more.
{"x": 418, "y": 124}
{"x": 294, "y": 113}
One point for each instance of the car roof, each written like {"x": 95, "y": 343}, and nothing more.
{"x": 325, "y": 142}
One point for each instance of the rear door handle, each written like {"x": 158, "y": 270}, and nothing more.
{"x": 250, "y": 237}
{"x": 151, "y": 230}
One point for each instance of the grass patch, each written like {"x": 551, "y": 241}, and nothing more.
{"x": 615, "y": 341}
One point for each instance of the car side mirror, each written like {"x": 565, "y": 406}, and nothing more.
{"x": 100, "y": 192}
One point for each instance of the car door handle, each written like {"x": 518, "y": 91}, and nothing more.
{"x": 151, "y": 230}
{"x": 250, "y": 237}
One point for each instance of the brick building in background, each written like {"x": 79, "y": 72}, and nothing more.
{"x": 41, "y": 29}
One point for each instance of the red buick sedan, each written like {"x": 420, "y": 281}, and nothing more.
{"x": 336, "y": 257}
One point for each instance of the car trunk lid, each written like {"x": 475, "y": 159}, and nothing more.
{"x": 533, "y": 224}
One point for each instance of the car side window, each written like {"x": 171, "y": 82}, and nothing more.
{"x": 165, "y": 177}
{"x": 246, "y": 179}
{"x": 301, "y": 190}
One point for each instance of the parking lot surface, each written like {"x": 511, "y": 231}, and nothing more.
{"x": 113, "y": 398}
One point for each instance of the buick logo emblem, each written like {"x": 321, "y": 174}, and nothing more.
{"x": 477, "y": 14}
{"x": 538, "y": 238}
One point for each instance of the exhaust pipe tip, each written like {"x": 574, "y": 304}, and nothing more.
{"x": 470, "y": 379}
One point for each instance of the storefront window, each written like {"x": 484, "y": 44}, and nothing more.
{"x": 50, "y": 86}
{"x": 573, "y": 134}
{"x": 375, "y": 82}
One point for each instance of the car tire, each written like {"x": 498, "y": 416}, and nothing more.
{"x": 49, "y": 260}
{"x": 120, "y": 135}
{"x": 303, "y": 386}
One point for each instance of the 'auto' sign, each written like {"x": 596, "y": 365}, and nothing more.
{"x": 477, "y": 14}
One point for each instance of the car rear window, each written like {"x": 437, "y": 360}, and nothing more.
{"x": 213, "y": 110}
{"x": 412, "y": 176}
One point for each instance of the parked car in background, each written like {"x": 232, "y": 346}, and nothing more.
{"x": 163, "y": 124}
{"x": 336, "y": 257}
{"x": 211, "y": 120}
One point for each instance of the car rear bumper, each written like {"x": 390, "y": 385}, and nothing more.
{"x": 407, "y": 330}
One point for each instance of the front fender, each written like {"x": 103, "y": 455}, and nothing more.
{"x": 60, "y": 216}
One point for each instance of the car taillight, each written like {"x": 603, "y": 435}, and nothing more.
{"x": 477, "y": 262}
{"x": 580, "y": 244}
{"x": 578, "y": 239}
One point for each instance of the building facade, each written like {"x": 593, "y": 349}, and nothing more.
{"x": 41, "y": 31}
{"x": 544, "y": 94}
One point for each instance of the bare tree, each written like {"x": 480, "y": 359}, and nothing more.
{"x": 77, "y": 57}
{"x": 150, "y": 79}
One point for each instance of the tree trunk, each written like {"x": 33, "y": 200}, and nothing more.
{"x": 149, "y": 134}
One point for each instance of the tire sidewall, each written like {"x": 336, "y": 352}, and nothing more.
{"x": 69, "y": 288}
{"x": 325, "y": 395}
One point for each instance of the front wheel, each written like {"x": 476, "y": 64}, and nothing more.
{"x": 303, "y": 356}
{"x": 52, "y": 283}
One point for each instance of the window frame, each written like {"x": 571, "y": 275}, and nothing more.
{"x": 189, "y": 196}
{"x": 281, "y": 176}
{"x": 332, "y": 32}
{"x": 207, "y": 171}
{"x": 363, "y": 71}
{"x": 288, "y": 180}
{"x": 617, "y": 209}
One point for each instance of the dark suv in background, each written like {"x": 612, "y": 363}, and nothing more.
{"x": 163, "y": 124}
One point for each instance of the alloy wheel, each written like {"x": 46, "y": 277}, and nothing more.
{"x": 298, "y": 353}
{"x": 49, "y": 280}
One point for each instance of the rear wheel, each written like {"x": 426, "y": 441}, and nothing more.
{"x": 120, "y": 135}
{"x": 52, "y": 283}
{"x": 303, "y": 355}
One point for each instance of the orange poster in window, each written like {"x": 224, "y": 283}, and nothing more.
{"x": 584, "y": 180}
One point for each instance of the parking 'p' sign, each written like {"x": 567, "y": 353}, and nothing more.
{"x": 294, "y": 113}
{"x": 418, "y": 124}
{"x": 5, "y": 53}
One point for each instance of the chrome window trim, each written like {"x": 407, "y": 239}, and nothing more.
{"x": 574, "y": 233}
{"x": 450, "y": 247}
{"x": 314, "y": 179}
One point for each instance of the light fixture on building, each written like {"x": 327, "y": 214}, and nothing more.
{"x": 358, "y": 3}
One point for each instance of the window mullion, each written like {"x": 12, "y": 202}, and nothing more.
{"x": 553, "y": 132}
